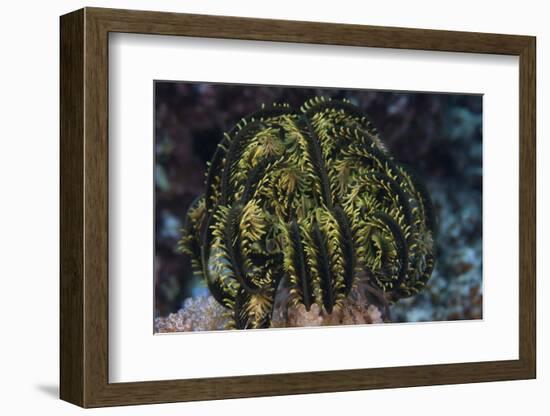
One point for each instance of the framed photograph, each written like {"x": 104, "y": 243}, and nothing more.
{"x": 255, "y": 207}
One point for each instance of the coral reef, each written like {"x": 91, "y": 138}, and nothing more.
{"x": 204, "y": 313}
{"x": 454, "y": 292}
{"x": 312, "y": 201}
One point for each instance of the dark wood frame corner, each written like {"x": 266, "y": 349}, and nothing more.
{"x": 84, "y": 207}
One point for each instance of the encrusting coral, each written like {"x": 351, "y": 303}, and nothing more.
{"x": 310, "y": 202}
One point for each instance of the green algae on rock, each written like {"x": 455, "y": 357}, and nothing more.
{"x": 312, "y": 201}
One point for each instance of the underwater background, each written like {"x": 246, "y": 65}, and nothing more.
{"x": 438, "y": 135}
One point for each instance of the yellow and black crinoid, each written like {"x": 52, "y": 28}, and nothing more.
{"x": 310, "y": 199}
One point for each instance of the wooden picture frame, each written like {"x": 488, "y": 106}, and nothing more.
{"x": 84, "y": 207}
